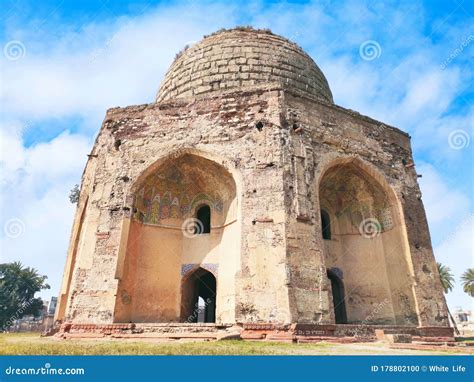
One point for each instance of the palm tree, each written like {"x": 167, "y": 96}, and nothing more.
{"x": 447, "y": 281}
{"x": 447, "y": 278}
{"x": 467, "y": 280}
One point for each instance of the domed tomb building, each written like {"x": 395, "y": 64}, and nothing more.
{"x": 244, "y": 197}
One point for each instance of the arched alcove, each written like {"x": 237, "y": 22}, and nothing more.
{"x": 367, "y": 243}
{"x": 170, "y": 201}
{"x": 198, "y": 297}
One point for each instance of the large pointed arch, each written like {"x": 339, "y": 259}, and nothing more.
{"x": 162, "y": 236}
{"x": 368, "y": 242}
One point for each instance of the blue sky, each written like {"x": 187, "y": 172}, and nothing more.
{"x": 64, "y": 62}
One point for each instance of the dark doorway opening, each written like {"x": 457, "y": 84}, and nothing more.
{"x": 203, "y": 215}
{"x": 325, "y": 225}
{"x": 198, "y": 297}
{"x": 337, "y": 287}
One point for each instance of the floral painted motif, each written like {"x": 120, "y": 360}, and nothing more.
{"x": 172, "y": 197}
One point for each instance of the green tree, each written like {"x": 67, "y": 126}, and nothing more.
{"x": 18, "y": 286}
{"x": 447, "y": 281}
{"x": 446, "y": 276}
{"x": 467, "y": 280}
{"x": 74, "y": 194}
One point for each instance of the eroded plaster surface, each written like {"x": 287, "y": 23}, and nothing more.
{"x": 266, "y": 157}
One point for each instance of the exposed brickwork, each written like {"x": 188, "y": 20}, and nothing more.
{"x": 275, "y": 140}
{"x": 307, "y": 333}
{"x": 237, "y": 58}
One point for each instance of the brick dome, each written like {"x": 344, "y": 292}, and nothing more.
{"x": 240, "y": 58}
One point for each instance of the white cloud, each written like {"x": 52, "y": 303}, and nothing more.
{"x": 430, "y": 91}
{"x": 433, "y": 137}
{"x": 81, "y": 74}
{"x": 12, "y": 152}
{"x": 41, "y": 164}
{"x": 115, "y": 64}
{"x": 449, "y": 218}
{"x": 445, "y": 206}
{"x": 35, "y": 184}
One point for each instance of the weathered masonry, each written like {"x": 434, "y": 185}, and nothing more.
{"x": 245, "y": 197}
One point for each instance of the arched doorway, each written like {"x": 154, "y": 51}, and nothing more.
{"x": 198, "y": 297}
{"x": 338, "y": 297}
{"x": 170, "y": 200}
{"x": 366, "y": 242}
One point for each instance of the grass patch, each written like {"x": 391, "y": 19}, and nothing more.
{"x": 465, "y": 339}
{"x": 22, "y": 344}
{"x": 33, "y": 344}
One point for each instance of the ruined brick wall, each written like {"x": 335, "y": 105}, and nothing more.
{"x": 321, "y": 134}
{"x": 258, "y": 106}
{"x": 132, "y": 140}
{"x": 236, "y": 59}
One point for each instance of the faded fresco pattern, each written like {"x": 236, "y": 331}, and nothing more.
{"x": 171, "y": 193}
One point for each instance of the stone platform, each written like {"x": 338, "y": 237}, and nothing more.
{"x": 299, "y": 333}
{"x": 163, "y": 331}
{"x": 345, "y": 333}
